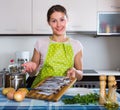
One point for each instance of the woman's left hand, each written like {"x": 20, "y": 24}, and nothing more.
{"x": 71, "y": 73}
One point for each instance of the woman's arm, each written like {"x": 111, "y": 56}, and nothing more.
{"x": 36, "y": 58}
{"x": 76, "y": 71}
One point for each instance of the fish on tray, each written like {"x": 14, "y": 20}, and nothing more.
{"x": 52, "y": 85}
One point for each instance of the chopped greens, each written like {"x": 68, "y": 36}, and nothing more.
{"x": 91, "y": 98}
{"x": 111, "y": 105}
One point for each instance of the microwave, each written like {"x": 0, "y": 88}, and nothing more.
{"x": 108, "y": 23}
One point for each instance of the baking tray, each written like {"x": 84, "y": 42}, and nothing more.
{"x": 33, "y": 93}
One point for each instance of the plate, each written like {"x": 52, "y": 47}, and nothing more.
{"x": 75, "y": 91}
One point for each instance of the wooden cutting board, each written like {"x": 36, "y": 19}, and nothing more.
{"x": 53, "y": 97}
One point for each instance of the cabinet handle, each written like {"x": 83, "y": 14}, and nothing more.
{"x": 12, "y": 30}
{"x": 116, "y": 7}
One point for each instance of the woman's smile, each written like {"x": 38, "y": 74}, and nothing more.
{"x": 61, "y": 29}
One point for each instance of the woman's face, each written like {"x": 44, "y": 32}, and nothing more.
{"x": 58, "y": 23}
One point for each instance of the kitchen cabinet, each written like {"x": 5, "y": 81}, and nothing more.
{"x": 29, "y": 16}
{"x": 108, "y": 23}
{"x": 40, "y": 25}
{"x": 15, "y": 17}
{"x": 108, "y": 14}
{"x": 108, "y": 5}
{"x": 81, "y": 13}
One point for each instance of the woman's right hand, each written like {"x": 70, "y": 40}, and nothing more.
{"x": 29, "y": 67}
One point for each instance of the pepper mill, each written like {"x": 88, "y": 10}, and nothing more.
{"x": 112, "y": 88}
{"x": 102, "y": 98}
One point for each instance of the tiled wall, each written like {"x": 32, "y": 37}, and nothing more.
{"x": 99, "y": 53}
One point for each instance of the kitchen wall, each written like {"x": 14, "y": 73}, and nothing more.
{"x": 101, "y": 53}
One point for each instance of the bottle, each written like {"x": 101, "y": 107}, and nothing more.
{"x": 108, "y": 28}
{"x": 102, "y": 92}
{"x": 12, "y": 66}
{"x": 112, "y": 85}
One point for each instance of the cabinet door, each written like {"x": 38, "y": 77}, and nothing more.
{"x": 108, "y": 5}
{"x": 40, "y": 8}
{"x": 81, "y": 13}
{"x": 15, "y": 16}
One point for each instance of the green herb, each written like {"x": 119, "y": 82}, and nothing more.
{"x": 91, "y": 98}
{"x": 111, "y": 105}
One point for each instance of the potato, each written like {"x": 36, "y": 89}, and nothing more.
{"x": 23, "y": 90}
{"x": 6, "y": 90}
{"x": 19, "y": 96}
{"x": 10, "y": 94}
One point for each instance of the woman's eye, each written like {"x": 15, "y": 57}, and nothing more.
{"x": 62, "y": 19}
{"x": 53, "y": 21}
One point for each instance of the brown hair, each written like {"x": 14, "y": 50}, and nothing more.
{"x": 54, "y": 8}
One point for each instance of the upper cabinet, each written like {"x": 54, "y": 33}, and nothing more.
{"x": 108, "y": 5}
{"x": 15, "y": 17}
{"x": 40, "y": 25}
{"x": 108, "y": 17}
{"x": 30, "y": 16}
{"x": 82, "y": 15}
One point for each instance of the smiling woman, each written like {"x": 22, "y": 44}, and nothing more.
{"x": 57, "y": 55}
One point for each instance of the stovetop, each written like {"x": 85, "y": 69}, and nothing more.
{"x": 89, "y": 71}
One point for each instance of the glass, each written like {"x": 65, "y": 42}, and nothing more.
{"x": 108, "y": 23}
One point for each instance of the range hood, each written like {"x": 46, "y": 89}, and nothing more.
{"x": 108, "y": 23}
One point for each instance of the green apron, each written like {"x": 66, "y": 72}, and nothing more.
{"x": 59, "y": 59}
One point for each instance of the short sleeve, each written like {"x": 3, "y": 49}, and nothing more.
{"x": 77, "y": 46}
{"x": 36, "y": 46}
{"x": 41, "y": 44}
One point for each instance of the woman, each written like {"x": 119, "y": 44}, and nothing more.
{"x": 56, "y": 55}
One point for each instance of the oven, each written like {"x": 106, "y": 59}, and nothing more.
{"x": 90, "y": 80}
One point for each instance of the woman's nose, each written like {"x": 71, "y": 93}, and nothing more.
{"x": 58, "y": 24}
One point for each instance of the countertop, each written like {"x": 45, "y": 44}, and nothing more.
{"x": 34, "y": 104}
{"x": 101, "y": 72}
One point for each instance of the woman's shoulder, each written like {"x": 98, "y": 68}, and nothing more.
{"x": 77, "y": 46}
{"x": 76, "y": 42}
{"x": 42, "y": 43}
{"x": 43, "y": 40}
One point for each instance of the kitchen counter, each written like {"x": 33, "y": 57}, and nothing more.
{"x": 109, "y": 72}
{"x": 34, "y": 104}
{"x": 100, "y": 72}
